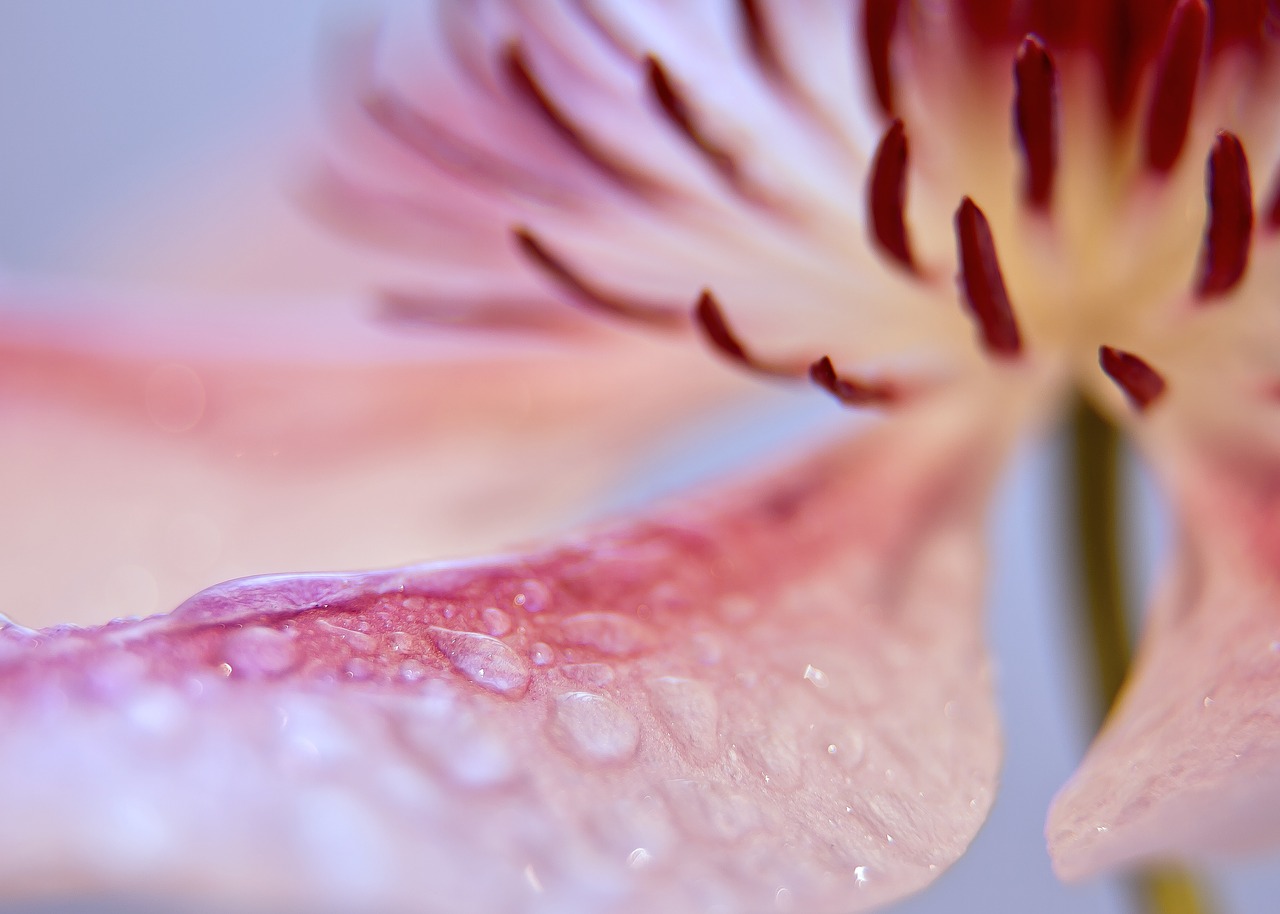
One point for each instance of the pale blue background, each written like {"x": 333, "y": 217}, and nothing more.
{"x": 98, "y": 96}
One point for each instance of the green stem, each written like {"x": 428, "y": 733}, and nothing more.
{"x": 1095, "y": 471}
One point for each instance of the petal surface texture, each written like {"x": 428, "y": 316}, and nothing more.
{"x": 1188, "y": 765}
{"x": 774, "y": 696}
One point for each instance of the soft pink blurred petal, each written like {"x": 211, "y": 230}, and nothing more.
{"x": 150, "y": 452}
{"x": 776, "y": 695}
{"x": 1188, "y": 765}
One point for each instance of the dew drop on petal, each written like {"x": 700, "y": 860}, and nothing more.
{"x": 608, "y": 633}
{"x": 594, "y": 729}
{"x": 533, "y": 597}
{"x": 816, "y": 676}
{"x": 541, "y": 653}
{"x": 256, "y": 652}
{"x": 496, "y": 622}
{"x": 484, "y": 660}
{"x": 639, "y": 858}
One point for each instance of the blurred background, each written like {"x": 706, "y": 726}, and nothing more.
{"x": 106, "y": 104}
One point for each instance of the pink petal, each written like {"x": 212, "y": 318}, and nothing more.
{"x": 776, "y": 696}
{"x": 149, "y": 453}
{"x": 1188, "y": 765}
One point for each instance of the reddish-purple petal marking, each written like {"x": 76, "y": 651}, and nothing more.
{"x": 756, "y": 30}
{"x": 982, "y": 283}
{"x": 848, "y": 391}
{"x": 1036, "y": 119}
{"x": 1224, "y": 254}
{"x": 1174, "y": 87}
{"x": 1141, "y": 383}
{"x": 528, "y": 87}
{"x": 710, "y": 319}
{"x": 584, "y": 293}
{"x": 673, "y": 104}
{"x": 879, "y": 19}
{"x": 886, "y": 200}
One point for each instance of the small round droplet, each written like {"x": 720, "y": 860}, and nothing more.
{"x": 496, "y": 622}
{"x": 639, "y": 858}
{"x": 255, "y": 652}
{"x": 542, "y": 653}
{"x": 783, "y": 900}
{"x": 484, "y": 660}
{"x": 860, "y": 875}
{"x": 532, "y": 597}
{"x": 608, "y": 633}
{"x": 688, "y": 710}
{"x": 594, "y": 729}
{"x": 412, "y": 670}
{"x": 816, "y": 676}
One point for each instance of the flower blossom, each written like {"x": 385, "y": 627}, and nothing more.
{"x": 770, "y": 694}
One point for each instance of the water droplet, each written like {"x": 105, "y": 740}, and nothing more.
{"x": 403, "y": 642}
{"x": 412, "y": 670}
{"x": 259, "y": 651}
{"x": 496, "y": 622}
{"x": 639, "y": 858}
{"x": 1208, "y": 701}
{"x": 484, "y": 660}
{"x": 816, "y": 676}
{"x": 590, "y": 674}
{"x": 358, "y": 669}
{"x": 531, "y": 877}
{"x": 357, "y": 641}
{"x": 783, "y": 900}
{"x": 594, "y": 729}
{"x": 541, "y": 653}
{"x": 860, "y": 876}
{"x": 175, "y": 398}
{"x": 533, "y": 597}
{"x": 608, "y": 633}
{"x": 689, "y": 711}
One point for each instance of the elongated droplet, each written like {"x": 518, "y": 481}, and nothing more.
{"x": 594, "y": 729}
{"x": 484, "y": 660}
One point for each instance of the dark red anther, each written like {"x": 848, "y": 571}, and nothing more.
{"x": 1273, "y": 208}
{"x": 590, "y": 295}
{"x": 523, "y": 80}
{"x": 887, "y": 196}
{"x": 759, "y": 41}
{"x": 1035, "y": 115}
{"x": 1224, "y": 254}
{"x": 848, "y": 391}
{"x": 879, "y": 19}
{"x": 1141, "y": 383}
{"x": 709, "y": 317}
{"x": 678, "y": 112}
{"x": 1174, "y": 87}
{"x": 982, "y": 283}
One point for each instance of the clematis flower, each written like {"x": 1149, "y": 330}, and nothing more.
{"x": 773, "y": 693}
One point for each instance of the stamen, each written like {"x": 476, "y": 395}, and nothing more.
{"x": 1224, "y": 254}
{"x": 983, "y": 284}
{"x": 678, "y": 112}
{"x": 1036, "y": 118}
{"x": 486, "y": 315}
{"x": 710, "y": 319}
{"x": 848, "y": 391}
{"x": 589, "y": 295}
{"x": 1174, "y": 87}
{"x": 1141, "y": 383}
{"x": 880, "y": 18}
{"x": 527, "y": 85}
{"x": 886, "y": 201}
{"x": 758, "y": 39}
